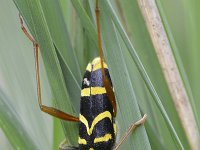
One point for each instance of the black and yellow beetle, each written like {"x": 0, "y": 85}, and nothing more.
{"x": 97, "y": 128}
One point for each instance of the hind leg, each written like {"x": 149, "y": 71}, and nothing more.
{"x": 131, "y": 129}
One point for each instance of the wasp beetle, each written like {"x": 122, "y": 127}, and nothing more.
{"x": 97, "y": 128}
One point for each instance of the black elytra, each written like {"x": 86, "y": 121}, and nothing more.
{"x": 97, "y": 129}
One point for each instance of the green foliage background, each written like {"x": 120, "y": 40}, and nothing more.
{"x": 67, "y": 36}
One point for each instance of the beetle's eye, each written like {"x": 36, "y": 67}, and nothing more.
{"x": 86, "y": 82}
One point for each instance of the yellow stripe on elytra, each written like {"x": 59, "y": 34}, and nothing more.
{"x": 85, "y": 122}
{"x": 85, "y": 92}
{"x": 82, "y": 141}
{"x": 101, "y": 116}
{"x": 115, "y": 128}
{"x": 105, "y": 138}
{"x": 98, "y": 90}
{"x": 93, "y": 91}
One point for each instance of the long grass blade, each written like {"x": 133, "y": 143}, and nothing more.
{"x": 144, "y": 75}
{"x": 12, "y": 125}
{"x": 34, "y": 16}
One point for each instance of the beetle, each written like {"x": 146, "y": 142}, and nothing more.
{"x": 97, "y": 128}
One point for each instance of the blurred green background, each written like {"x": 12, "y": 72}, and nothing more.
{"x": 66, "y": 33}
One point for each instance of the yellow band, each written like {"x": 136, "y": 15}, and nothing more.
{"x": 82, "y": 141}
{"x": 101, "y": 116}
{"x": 93, "y": 91}
{"x": 105, "y": 138}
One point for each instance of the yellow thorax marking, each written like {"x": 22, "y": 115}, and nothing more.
{"x": 98, "y": 66}
{"x": 98, "y": 118}
{"x": 82, "y": 141}
{"x": 89, "y": 67}
{"x": 93, "y": 91}
{"x": 96, "y": 63}
{"x": 91, "y": 149}
{"x": 104, "y": 138}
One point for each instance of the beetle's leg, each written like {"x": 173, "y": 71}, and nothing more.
{"x": 130, "y": 129}
{"x": 50, "y": 110}
{"x": 63, "y": 146}
{"x": 106, "y": 82}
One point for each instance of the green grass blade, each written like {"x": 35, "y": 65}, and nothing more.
{"x": 128, "y": 107}
{"x": 179, "y": 60}
{"x": 12, "y": 125}
{"x": 37, "y": 23}
{"x": 66, "y": 32}
{"x": 69, "y": 65}
{"x": 57, "y": 27}
{"x": 130, "y": 120}
{"x": 58, "y": 136}
{"x": 145, "y": 76}
{"x": 134, "y": 25}
{"x": 85, "y": 20}
{"x": 17, "y": 72}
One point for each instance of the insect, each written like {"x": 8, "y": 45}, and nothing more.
{"x": 97, "y": 128}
